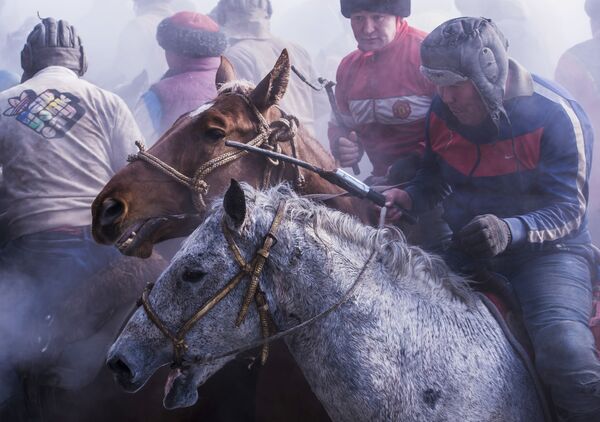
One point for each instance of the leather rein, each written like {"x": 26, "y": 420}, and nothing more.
{"x": 268, "y": 136}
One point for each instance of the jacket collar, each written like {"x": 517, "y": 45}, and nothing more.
{"x": 519, "y": 82}
{"x": 57, "y": 69}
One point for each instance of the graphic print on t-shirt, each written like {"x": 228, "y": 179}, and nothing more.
{"x": 51, "y": 114}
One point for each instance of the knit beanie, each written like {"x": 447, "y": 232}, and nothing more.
{"x": 191, "y": 34}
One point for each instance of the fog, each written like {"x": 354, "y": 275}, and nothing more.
{"x": 541, "y": 31}
{"x": 315, "y": 24}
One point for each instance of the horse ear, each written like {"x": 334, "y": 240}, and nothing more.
{"x": 235, "y": 203}
{"x": 225, "y": 73}
{"x": 272, "y": 88}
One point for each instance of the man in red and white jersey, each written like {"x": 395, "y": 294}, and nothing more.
{"x": 381, "y": 94}
{"x": 383, "y": 100}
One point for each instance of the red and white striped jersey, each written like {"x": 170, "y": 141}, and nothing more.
{"x": 383, "y": 96}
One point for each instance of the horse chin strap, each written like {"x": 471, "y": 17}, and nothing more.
{"x": 252, "y": 269}
{"x": 269, "y": 136}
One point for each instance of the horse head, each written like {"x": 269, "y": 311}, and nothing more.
{"x": 143, "y": 205}
{"x": 178, "y": 320}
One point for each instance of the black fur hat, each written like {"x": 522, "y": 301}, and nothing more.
{"x": 390, "y": 7}
{"x": 192, "y": 35}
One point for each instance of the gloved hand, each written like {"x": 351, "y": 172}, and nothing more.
{"x": 485, "y": 236}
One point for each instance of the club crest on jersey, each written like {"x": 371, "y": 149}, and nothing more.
{"x": 401, "y": 109}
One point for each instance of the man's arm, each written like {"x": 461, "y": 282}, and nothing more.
{"x": 123, "y": 136}
{"x": 428, "y": 188}
{"x": 344, "y": 142}
{"x": 562, "y": 183}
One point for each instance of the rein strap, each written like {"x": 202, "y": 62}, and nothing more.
{"x": 267, "y": 137}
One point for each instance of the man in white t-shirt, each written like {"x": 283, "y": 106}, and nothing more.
{"x": 61, "y": 140}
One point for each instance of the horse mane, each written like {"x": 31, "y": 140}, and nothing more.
{"x": 399, "y": 259}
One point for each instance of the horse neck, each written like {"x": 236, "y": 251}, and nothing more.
{"x": 311, "y": 268}
{"x": 385, "y": 318}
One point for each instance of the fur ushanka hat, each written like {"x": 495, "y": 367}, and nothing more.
{"x": 192, "y": 35}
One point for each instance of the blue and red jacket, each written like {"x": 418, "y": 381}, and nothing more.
{"x": 532, "y": 170}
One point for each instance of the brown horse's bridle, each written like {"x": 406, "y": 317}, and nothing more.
{"x": 268, "y": 136}
{"x": 252, "y": 269}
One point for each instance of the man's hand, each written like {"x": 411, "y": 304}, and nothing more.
{"x": 396, "y": 200}
{"x": 349, "y": 151}
{"x": 485, "y": 236}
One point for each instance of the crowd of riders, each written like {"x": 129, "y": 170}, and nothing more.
{"x": 494, "y": 160}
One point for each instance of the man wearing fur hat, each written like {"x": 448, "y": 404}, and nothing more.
{"x": 383, "y": 99}
{"x": 382, "y": 96}
{"x": 193, "y": 45}
{"x": 61, "y": 140}
{"x": 509, "y": 154}
{"x": 253, "y": 50}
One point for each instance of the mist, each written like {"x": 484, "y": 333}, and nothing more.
{"x": 542, "y": 32}
{"x": 315, "y": 24}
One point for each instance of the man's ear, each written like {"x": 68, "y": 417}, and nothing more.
{"x": 234, "y": 203}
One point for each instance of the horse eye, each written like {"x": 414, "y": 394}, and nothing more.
{"x": 214, "y": 134}
{"x": 192, "y": 276}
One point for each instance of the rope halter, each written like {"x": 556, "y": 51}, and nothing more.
{"x": 269, "y": 136}
{"x": 252, "y": 269}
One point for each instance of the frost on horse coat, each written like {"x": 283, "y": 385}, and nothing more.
{"x": 412, "y": 344}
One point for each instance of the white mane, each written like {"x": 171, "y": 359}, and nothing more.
{"x": 400, "y": 260}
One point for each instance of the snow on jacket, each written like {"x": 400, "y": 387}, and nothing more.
{"x": 533, "y": 171}
{"x": 61, "y": 140}
{"x": 383, "y": 96}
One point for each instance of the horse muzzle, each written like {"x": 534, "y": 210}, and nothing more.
{"x": 128, "y": 369}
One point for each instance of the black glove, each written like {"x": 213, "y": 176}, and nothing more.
{"x": 485, "y": 236}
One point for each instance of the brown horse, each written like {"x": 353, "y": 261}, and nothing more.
{"x": 149, "y": 200}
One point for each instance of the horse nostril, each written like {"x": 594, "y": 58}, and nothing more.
{"x": 120, "y": 368}
{"x": 110, "y": 211}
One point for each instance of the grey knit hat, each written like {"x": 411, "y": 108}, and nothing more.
{"x": 192, "y": 35}
{"x": 390, "y": 7}
{"x": 469, "y": 49}
{"x": 52, "y": 43}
